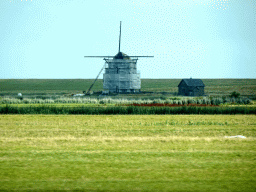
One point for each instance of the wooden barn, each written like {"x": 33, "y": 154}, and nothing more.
{"x": 191, "y": 87}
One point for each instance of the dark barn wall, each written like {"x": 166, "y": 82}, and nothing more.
{"x": 183, "y": 88}
{"x": 191, "y": 91}
{"x": 200, "y": 91}
{"x": 186, "y": 90}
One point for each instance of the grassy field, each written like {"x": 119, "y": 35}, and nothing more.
{"x": 125, "y": 153}
{"x": 247, "y": 87}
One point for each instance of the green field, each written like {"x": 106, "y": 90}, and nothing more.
{"x": 127, "y": 153}
{"x": 247, "y": 87}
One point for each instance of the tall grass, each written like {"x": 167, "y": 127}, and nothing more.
{"x": 48, "y": 109}
{"x": 87, "y": 100}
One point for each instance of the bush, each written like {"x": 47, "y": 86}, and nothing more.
{"x": 235, "y": 94}
{"x": 192, "y": 101}
{"x": 239, "y": 101}
{"x": 175, "y": 98}
{"x": 163, "y": 98}
{"x": 158, "y": 101}
{"x": 247, "y": 101}
{"x": 185, "y": 102}
{"x": 232, "y": 100}
{"x": 206, "y": 101}
{"x": 226, "y": 100}
{"x": 216, "y": 101}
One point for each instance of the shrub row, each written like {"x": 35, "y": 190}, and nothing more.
{"x": 125, "y": 110}
{"x": 205, "y": 100}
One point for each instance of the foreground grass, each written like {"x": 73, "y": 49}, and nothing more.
{"x": 124, "y": 153}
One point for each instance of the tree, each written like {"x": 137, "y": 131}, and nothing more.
{"x": 235, "y": 94}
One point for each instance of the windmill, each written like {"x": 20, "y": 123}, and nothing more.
{"x": 121, "y": 74}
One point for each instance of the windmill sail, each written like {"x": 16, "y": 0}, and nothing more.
{"x": 120, "y": 37}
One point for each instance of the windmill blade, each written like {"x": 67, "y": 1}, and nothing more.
{"x": 114, "y": 56}
{"x": 120, "y": 37}
{"x": 141, "y": 56}
{"x": 99, "y": 56}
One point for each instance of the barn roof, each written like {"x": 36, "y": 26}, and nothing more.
{"x": 193, "y": 82}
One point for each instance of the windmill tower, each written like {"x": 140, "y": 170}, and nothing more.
{"x": 121, "y": 74}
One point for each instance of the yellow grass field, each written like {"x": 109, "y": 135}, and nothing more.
{"x": 127, "y": 152}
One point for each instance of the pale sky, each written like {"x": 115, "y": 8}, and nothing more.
{"x": 48, "y": 39}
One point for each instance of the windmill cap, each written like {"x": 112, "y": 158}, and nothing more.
{"x": 121, "y": 55}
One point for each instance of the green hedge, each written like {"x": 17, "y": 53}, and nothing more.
{"x": 125, "y": 110}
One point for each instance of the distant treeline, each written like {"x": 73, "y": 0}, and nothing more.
{"x": 121, "y": 110}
